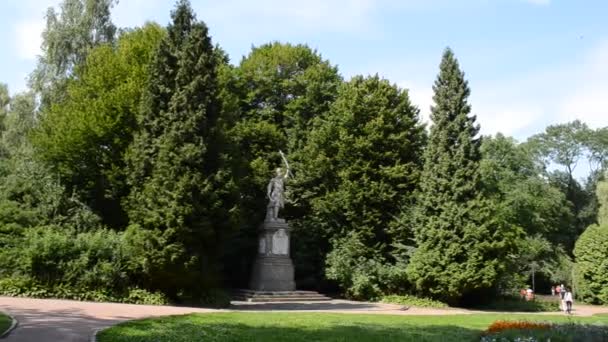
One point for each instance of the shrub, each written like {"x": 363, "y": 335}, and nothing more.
{"x": 591, "y": 270}
{"x": 413, "y": 301}
{"x": 361, "y": 273}
{"x": 141, "y": 296}
{"x": 516, "y": 304}
{"x": 28, "y": 287}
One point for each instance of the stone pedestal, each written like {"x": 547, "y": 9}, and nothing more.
{"x": 273, "y": 269}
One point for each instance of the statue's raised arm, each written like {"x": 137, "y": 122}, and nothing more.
{"x": 287, "y": 169}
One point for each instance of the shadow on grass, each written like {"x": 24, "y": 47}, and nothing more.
{"x": 315, "y": 306}
{"x": 509, "y": 304}
{"x": 183, "y": 329}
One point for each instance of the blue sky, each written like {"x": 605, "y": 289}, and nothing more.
{"x": 529, "y": 63}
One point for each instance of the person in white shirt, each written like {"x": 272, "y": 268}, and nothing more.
{"x": 568, "y": 300}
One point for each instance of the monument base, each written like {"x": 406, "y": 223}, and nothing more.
{"x": 272, "y": 274}
{"x": 252, "y": 296}
{"x": 273, "y": 269}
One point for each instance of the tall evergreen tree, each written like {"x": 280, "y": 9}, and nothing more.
{"x": 461, "y": 246}
{"x": 180, "y": 188}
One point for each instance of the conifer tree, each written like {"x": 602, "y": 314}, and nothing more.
{"x": 180, "y": 190}
{"x": 461, "y": 246}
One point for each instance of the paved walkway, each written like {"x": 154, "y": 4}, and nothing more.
{"x": 48, "y": 320}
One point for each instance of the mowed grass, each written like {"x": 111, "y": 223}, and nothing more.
{"x": 5, "y": 323}
{"x": 306, "y": 327}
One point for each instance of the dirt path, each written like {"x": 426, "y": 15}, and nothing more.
{"x": 72, "y": 321}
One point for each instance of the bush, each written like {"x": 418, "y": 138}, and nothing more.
{"x": 51, "y": 261}
{"x": 413, "y": 301}
{"x": 360, "y": 275}
{"x": 141, "y": 296}
{"x": 591, "y": 269}
{"x": 518, "y": 305}
{"x": 28, "y": 287}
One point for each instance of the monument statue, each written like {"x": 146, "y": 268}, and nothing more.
{"x": 272, "y": 274}
{"x": 276, "y": 191}
{"x": 273, "y": 268}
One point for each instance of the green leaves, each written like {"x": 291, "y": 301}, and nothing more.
{"x": 85, "y": 136}
{"x": 180, "y": 178}
{"x": 591, "y": 270}
{"x": 591, "y": 253}
{"x": 357, "y": 172}
{"x": 462, "y": 249}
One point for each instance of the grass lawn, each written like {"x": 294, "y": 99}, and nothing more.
{"x": 5, "y": 323}
{"x": 306, "y": 327}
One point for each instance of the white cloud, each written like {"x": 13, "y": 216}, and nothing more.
{"x": 506, "y": 120}
{"x": 420, "y": 96}
{"x": 28, "y": 37}
{"x": 131, "y": 13}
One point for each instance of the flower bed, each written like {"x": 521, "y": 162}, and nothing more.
{"x": 524, "y": 331}
{"x": 499, "y": 326}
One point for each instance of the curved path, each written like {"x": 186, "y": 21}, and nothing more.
{"x": 47, "y": 320}
{"x": 52, "y": 320}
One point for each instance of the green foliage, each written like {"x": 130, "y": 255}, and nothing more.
{"x": 597, "y": 147}
{"x": 274, "y": 93}
{"x": 26, "y": 287}
{"x": 514, "y": 304}
{"x": 5, "y": 323}
{"x": 512, "y": 179}
{"x": 362, "y": 272}
{"x": 30, "y": 194}
{"x": 67, "y": 39}
{"x": 286, "y": 85}
{"x": 510, "y": 176}
{"x": 182, "y": 190}
{"x": 591, "y": 270}
{"x": 4, "y": 101}
{"x": 355, "y": 175}
{"x": 134, "y": 171}
{"x": 414, "y": 301}
{"x": 565, "y": 145}
{"x": 602, "y": 197}
{"x": 85, "y": 136}
{"x": 463, "y": 246}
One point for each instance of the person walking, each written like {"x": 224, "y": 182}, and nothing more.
{"x": 552, "y": 291}
{"x": 568, "y": 300}
{"x": 562, "y": 293}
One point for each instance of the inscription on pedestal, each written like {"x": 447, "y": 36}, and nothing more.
{"x": 273, "y": 269}
{"x": 280, "y": 243}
